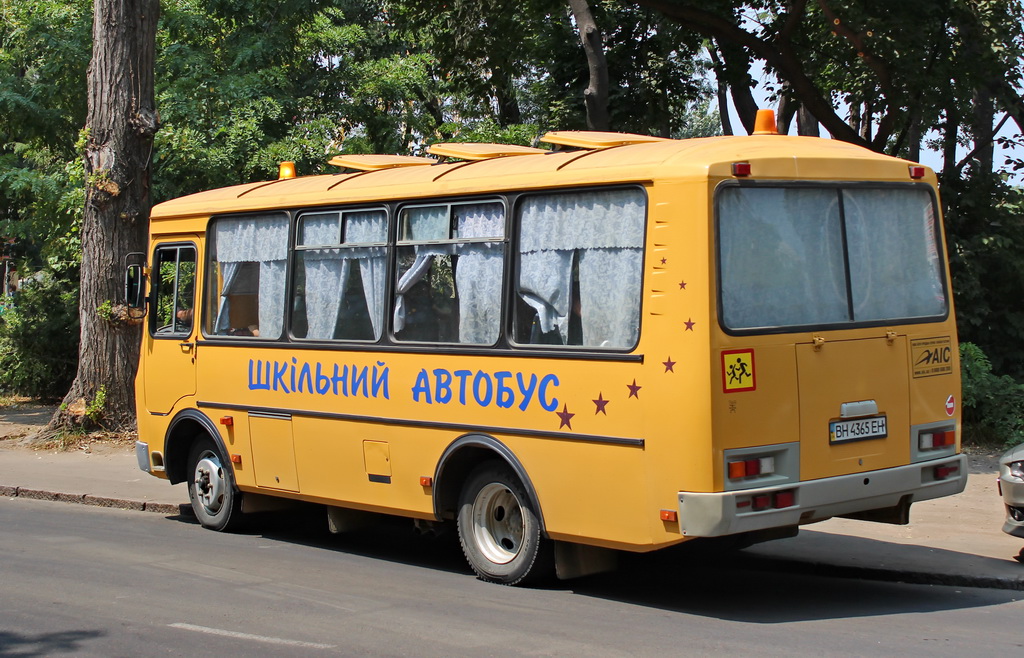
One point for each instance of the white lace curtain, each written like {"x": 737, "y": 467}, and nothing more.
{"x": 259, "y": 239}
{"x": 606, "y": 230}
{"x": 327, "y": 270}
{"x": 478, "y": 270}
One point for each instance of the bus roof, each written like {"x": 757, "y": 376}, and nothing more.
{"x": 771, "y": 157}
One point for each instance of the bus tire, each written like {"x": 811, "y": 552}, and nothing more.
{"x": 211, "y": 488}
{"x": 499, "y": 531}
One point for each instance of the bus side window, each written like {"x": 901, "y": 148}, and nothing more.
{"x": 339, "y": 279}
{"x": 246, "y": 282}
{"x": 580, "y": 267}
{"x": 450, "y": 263}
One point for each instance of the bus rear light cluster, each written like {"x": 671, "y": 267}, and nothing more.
{"x": 765, "y": 501}
{"x": 748, "y": 468}
{"x": 935, "y": 440}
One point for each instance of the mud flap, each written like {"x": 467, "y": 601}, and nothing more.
{"x": 576, "y": 560}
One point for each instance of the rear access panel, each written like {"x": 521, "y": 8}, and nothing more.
{"x": 854, "y": 406}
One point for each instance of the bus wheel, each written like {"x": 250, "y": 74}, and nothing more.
{"x": 216, "y": 503}
{"x": 498, "y": 529}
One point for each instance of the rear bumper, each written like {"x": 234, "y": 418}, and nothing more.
{"x": 720, "y": 514}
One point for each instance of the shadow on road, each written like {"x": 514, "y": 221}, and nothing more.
{"x": 45, "y": 644}
{"x": 737, "y": 586}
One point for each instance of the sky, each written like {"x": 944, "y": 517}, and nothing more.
{"x": 930, "y": 158}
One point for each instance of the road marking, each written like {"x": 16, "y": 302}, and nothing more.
{"x": 250, "y": 636}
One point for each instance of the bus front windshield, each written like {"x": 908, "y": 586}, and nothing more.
{"x": 827, "y": 256}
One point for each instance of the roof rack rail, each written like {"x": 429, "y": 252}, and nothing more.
{"x": 376, "y": 162}
{"x": 480, "y": 150}
{"x": 593, "y": 139}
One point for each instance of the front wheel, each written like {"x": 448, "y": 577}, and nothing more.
{"x": 498, "y": 529}
{"x": 210, "y": 488}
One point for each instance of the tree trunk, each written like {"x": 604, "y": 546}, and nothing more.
{"x": 723, "y": 90}
{"x": 120, "y": 127}
{"x": 736, "y": 66}
{"x": 504, "y": 94}
{"x": 806, "y": 123}
{"x": 982, "y": 131}
{"x": 596, "y": 94}
{"x": 785, "y": 113}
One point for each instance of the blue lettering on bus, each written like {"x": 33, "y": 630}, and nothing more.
{"x": 301, "y": 377}
{"x": 442, "y": 386}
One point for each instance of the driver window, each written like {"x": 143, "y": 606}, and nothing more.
{"x": 174, "y": 284}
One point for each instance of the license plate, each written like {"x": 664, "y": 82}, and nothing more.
{"x": 857, "y": 429}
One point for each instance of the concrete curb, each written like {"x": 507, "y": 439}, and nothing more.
{"x": 97, "y": 501}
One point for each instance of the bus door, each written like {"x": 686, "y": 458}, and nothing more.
{"x": 170, "y": 345}
{"x": 854, "y": 405}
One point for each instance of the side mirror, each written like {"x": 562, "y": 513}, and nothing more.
{"x": 134, "y": 287}
{"x": 135, "y": 281}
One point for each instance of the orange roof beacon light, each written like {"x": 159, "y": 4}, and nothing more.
{"x": 764, "y": 123}
{"x": 286, "y": 170}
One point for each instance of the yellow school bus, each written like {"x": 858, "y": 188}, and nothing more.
{"x": 620, "y": 343}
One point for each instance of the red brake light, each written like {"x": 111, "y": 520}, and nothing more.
{"x": 741, "y": 169}
{"x": 785, "y": 499}
{"x": 916, "y": 172}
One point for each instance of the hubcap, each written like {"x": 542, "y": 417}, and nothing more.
{"x": 498, "y": 524}
{"x": 209, "y": 483}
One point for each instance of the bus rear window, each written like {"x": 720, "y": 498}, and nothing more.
{"x": 827, "y": 256}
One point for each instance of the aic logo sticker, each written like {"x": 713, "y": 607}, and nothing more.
{"x": 932, "y": 356}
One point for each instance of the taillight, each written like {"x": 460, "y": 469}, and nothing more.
{"x": 748, "y": 468}
{"x": 935, "y": 440}
{"x": 766, "y": 501}
{"x": 946, "y": 470}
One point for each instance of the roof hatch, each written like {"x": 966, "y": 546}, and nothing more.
{"x": 480, "y": 151}
{"x": 372, "y": 162}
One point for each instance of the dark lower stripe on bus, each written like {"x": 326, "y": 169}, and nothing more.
{"x": 561, "y": 436}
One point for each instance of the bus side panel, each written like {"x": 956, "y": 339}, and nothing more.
{"x": 676, "y": 325}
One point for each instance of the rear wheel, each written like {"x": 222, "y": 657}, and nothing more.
{"x": 499, "y": 530}
{"x": 211, "y": 488}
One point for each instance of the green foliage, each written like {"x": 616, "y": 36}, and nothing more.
{"x": 985, "y": 226}
{"x": 993, "y": 405}
{"x": 45, "y": 47}
{"x": 106, "y": 310}
{"x": 94, "y": 408}
{"x": 39, "y": 338}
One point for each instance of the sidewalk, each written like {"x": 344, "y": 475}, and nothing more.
{"x": 950, "y": 541}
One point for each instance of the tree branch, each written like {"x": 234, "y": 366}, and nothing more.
{"x": 777, "y": 55}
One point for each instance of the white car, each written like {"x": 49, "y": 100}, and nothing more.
{"x": 1011, "y": 488}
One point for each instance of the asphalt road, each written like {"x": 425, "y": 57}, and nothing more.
{"x": 89, "y": 581}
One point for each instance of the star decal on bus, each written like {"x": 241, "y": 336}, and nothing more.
{"x": 634, "y": 390}
{"x": 564, "y": 417}
{"x": 669, "y": 365}
{"x": 682, "y": 285}
{"x": 689, "y": 324}
{"x": 600, "y": 403}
